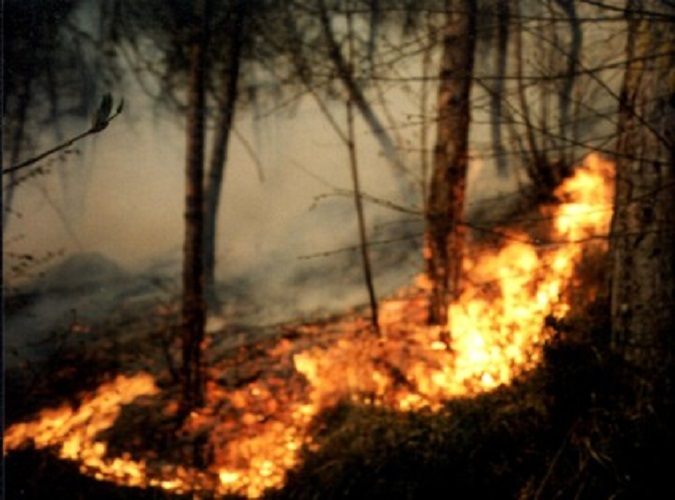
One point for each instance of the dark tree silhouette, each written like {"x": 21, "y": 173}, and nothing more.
{"x": 235, "y": 27}
{"x": 445, "y": 231}
{"x": 194, "y": 309}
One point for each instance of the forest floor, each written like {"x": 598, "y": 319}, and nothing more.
{"x": 571, "y": 428}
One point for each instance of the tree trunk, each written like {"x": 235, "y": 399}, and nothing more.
{"x": 445, "y": 232}
{"x": 193, "y": 314}
{"x": 643, "y": 228}
{"x": 359, "y": 99}
{"x": 358, "y": 202}
{"x": 565, "y": 100}
{"x": 497, "y": 91}
{"x": 214, "y": 183}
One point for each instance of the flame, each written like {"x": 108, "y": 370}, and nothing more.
{"x": 496, "y": 325}
{"x": 255, "y": 431}
{"x": 74, "y": 431}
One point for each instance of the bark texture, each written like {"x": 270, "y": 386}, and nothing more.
{"x": 445, "y": 232}
{"x": 194, "y": 313}
{"x": 643, "y": 229}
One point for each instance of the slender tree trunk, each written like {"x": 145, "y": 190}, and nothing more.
{"x": 565, "y": 93}
{"x": 359, "y": 99}
{"x": 374, "y": 25}
{"x": 348, "y": 139}
{"x": 363, "y": 238}
{"x": 535, "y": 159}
{"x": 214, "y": 182}
{"x": 643, "y": 228}
{"x": 429, "y": 45}
{"x": 497, "y": 94}
{"x": 193, "y": 314}
{"x": 445, "y": 232}
{"x": 354, "y": 169}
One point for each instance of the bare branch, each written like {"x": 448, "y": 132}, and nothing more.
{"x": 99, "y": 124}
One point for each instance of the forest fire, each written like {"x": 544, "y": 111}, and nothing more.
{"x": 255, "y": 430}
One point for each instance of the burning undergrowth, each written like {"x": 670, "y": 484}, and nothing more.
{"x": 477, "y": 445}
{"x": 265, "y": 398}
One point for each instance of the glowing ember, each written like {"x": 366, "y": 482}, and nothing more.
{"x": 255, "y": 431}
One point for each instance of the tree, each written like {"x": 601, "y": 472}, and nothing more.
{"x": 643, "y": 228}
{"x": 445, "y": 231}
{"x": 565, "y": 125}
{"x": 502, "y": 20}
{"x": 315, "y": 46}
{"x": 229, "y": 91}
{"x": 194, "y": 309}
{"x": 354, "y": 91}
{"x": 351, "y": 146}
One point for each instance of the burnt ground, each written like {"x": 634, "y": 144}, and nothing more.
{"x": 77, "y": 360}
{"x": 84, "y": 322}
{"x": 574, "y": 428}
{"x": 571, "y": 429}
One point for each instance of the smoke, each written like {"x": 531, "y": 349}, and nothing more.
{"x": 132, "y": 177}
{"x": 132, "y": 218}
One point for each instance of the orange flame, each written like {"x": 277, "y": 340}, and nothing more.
{"x": 74, "y": 431}
{"x": 497, "y": 329}
{"x": 497, "y": 323}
